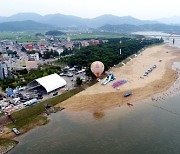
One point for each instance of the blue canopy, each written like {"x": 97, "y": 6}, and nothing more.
{"x": 9, "y": 93}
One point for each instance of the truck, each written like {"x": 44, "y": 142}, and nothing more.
{"x": 31, "y": 102}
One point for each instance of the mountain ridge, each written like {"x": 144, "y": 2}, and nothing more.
{"x": 62, "y": 20}
{"x": 127, "y": 28}
{"x": 27, "y": 25}
{"x": 174, "y": 20}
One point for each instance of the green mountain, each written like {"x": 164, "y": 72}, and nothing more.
{"x": 27, "y": 25}
{"x": 124, "y": 28}
{"x": 61, "y": 20}
{"x": 127, "y": 28}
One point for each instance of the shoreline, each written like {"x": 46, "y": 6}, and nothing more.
{"x": 109, "y": 100}
{"x": 99, "y": 98}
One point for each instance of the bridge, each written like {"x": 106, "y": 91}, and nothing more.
{"x": 164, "y": 35}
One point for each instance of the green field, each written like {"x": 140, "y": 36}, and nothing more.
{"x": 29, "y": 36}
{"x": 19, "y": 36}
{"x": 97, "y": 35}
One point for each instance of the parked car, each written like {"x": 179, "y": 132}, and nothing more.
{"x": 61, "y": 74}
{"x": 1, "y": 97}
{"x": 40, "y": 96}
{"x": 30, "y": 102}
{"x": 127, "y": 94}
{"x": 69, "y": 75}
{"x": 55, "y": 93}
{"x": 18, "y": 107}
{"x": 16, "y": 131}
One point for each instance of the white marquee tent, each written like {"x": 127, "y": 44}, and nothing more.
{"x": 51, "y": 82}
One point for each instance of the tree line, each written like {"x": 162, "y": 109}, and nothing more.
{"x": 109, "y": 53}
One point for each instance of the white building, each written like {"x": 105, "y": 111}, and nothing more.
{"x": 3, "y": 71}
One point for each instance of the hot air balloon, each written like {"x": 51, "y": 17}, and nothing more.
{"x": 97, "y": 68}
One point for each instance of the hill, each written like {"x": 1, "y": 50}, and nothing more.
{"x": 124, "y": 28}
{"x": 27, "y": 25}
{"x": 61, "y": 20}
{"x": 175, "y": 20}
{"x": 55, "y": 33}
{"x": 127, "y": 28}
{"x": 116, "y": 20}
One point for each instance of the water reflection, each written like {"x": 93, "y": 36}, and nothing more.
{"x": 98, "y": 115}
{"x": 138, "y": 129}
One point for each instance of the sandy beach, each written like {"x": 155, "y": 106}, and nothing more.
{"x": 98, "y": 97}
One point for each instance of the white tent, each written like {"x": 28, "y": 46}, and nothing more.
{"x": 51, "y": 82}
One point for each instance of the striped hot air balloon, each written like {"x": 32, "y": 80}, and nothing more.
{"x": 97, "y": 68}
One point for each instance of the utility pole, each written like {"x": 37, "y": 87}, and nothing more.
{"x": 120, "y": 48}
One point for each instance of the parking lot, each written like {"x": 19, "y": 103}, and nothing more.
{"x": 24, "y": 97}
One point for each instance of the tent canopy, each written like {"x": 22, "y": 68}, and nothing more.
{"x": 51, "y": 82}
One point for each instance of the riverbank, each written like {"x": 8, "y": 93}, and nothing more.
{"x": 28, "y": 118}
{"x": 6, "y": 145}
{"x": 98, "y": 97}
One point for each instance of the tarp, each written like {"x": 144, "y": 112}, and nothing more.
{"x": 9, "y": 93}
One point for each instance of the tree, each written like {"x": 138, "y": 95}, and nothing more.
{"x": 78, "y": 81}
{"x": 55, "y": 33}
{"x": 23, "y": 49}
{"x": 108, "y": 53}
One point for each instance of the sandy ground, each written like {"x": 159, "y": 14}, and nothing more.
{"x": 98, "y": 97}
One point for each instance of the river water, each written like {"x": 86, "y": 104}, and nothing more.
{"x": 147, "y": 127}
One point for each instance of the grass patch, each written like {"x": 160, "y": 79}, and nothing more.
{"x": 6, "y": 145}
{"x": 30, "y": 122}
{"x": 92, "y": 83}
{"x": 5, "y": 142}
{"x": 1, "y": 114}
{"x": 96, "y": 36}
{"x": 32, "y": 114}
{"x": 14, "y": 35}
{"x": 27, "y": 40}
{"x": 60, "y": 63}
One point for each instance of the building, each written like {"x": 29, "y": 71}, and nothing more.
{"x": 68, "y": 39}
{"x": 94, "y": 42}
{"x": 3, "y": 71}
{"x": 1, "y": 57}
{"x": 84, "y": 43}
{"x": 69, "y": 46}
{"x": 29, "y": 47}
{"x": 48, "y": 83}
{"x": 60, "y": 50}
{"x": 33, "y": 57}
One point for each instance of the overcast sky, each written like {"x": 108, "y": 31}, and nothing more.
{"x": 142, "y": 9}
